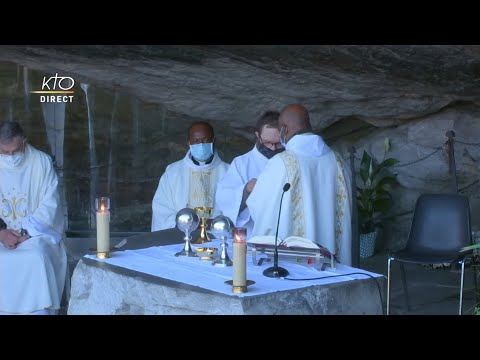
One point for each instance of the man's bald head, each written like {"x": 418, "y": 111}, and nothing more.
{"x": 294, "y": 118}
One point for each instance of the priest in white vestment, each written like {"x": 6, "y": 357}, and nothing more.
{"x": 239, "y": 181}
{"x": 318, "y": 204}
{"x": 33, "y": 260}
{"x": 190, "y": 182}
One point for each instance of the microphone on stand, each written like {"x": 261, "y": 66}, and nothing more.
{"x": 275, "y": 271}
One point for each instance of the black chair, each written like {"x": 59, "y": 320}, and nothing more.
{"x": 440, "y": 229}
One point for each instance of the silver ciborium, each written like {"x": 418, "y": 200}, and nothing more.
{"x": 187, "y": 220}
{"x": 222, "y": 227}
{"x": 204, "y": 212}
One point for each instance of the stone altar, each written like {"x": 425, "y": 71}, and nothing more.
{"x": 103, "y": 288}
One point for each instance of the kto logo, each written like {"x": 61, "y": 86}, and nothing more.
{"x": 58, "y": 85}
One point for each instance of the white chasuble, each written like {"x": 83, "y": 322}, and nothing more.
{"x": 230, "y": 189}
{"x": 32, "y": 276}
{"x": 185, "y": 184}
{"x": 318, "y": 203}
{"x": 201, "y": 190}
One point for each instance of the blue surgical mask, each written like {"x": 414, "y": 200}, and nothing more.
{"x": 282, "y": 140}
{"x": 202, "y": 152}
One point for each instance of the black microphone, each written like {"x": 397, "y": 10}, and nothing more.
{"x": 276, "y": 271}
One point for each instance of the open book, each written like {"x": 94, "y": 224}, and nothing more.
{"x": 292, "y": 244}
{"x": 289, "y": 242}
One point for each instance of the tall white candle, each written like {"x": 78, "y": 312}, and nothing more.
{"x": 239, "y": 257}
{"x": 103, "y": 231}
{"x": 103, "y": 225}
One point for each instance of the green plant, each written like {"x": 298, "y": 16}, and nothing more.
{"x": 373, "y": 197}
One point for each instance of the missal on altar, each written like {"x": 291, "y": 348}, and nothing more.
{"x": 289, "y": 242}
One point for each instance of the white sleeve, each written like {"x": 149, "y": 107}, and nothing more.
{"x": 264, "y": 200}
{"x": 229, "y": 195}
{"x": 47, "y": 219}
{"x": 36, "y": 228}
{"x": 163, "y": 210}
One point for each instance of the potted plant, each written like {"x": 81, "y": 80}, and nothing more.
{"x": 374, "y": 199}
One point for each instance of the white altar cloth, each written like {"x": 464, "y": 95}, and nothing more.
{"x": 160, "y": 261}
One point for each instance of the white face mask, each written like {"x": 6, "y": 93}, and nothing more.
{"x": 202, "y": 152}
{"x": 11, "y": 161}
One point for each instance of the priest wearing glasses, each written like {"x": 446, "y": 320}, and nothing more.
{"x": 235, "y": 188}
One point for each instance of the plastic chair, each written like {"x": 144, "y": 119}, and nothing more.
{"x": 440, "y": 228}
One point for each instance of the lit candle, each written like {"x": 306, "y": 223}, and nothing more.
{"x": 239, "y": 257}
{"x": 103, "y": 226}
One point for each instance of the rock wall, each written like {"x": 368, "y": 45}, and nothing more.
{"x": 418, "y": 173}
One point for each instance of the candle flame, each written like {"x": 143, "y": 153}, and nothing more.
{"x": 239, "y": 237}
{"x": 102, "y": 208}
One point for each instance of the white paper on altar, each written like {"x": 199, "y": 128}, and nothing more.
{"x": 161, "y": 261}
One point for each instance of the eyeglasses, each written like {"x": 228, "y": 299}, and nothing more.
{"x": 270, "y": 145}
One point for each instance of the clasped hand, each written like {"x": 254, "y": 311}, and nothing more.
{"x": 11, "y": 238}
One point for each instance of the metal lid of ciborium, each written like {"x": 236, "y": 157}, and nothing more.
{"x": 222, "y": 228}
{"x": 187, "y": 220}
